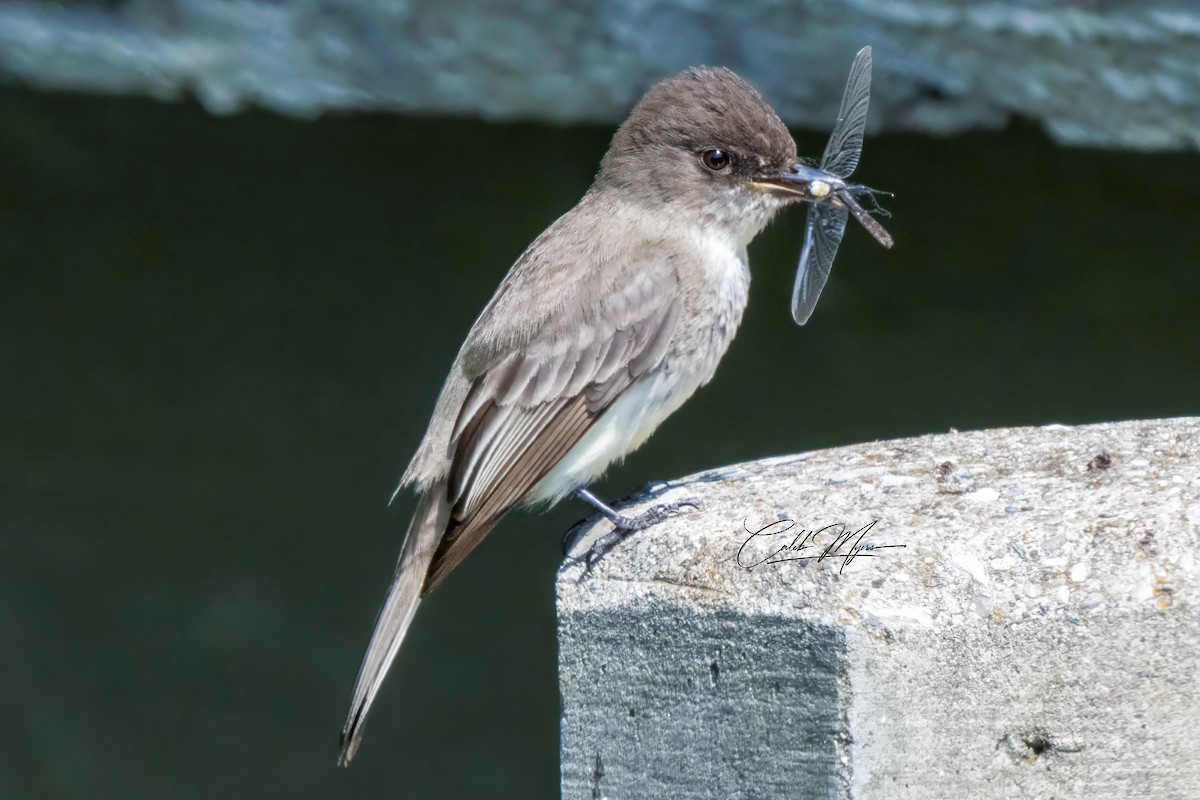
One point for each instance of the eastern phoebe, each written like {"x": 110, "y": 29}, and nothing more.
{"x": 605, "y": 325}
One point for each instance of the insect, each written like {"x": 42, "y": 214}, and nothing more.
{"x": 832, "y": 198}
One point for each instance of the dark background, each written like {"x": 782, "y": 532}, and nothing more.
{"x": 220, "y": 340}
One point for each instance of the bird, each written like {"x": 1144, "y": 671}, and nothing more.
{"x": 612, "y": 318}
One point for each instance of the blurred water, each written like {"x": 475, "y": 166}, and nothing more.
{"x": 220, "y": 340}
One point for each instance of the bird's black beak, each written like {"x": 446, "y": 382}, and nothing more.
{"x": 802, "y": 181}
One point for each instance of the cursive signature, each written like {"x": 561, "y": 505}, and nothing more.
{"x": 775, "y": 543}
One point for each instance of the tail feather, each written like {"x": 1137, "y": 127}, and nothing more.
{"x": 404, "y": 595}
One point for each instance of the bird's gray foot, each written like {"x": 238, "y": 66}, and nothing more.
{"x": 623, "y": 526}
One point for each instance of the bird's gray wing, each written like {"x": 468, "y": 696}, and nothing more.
{"x": 846, "y": 142}
{"x": 528, "y": 404}
{"x": 531, "y": 405}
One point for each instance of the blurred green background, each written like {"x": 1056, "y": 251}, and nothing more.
{"x": 220, "y": 341}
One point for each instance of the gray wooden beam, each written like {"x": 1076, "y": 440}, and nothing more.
{"x": 1118, "y": 74}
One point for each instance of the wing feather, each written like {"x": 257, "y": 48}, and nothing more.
{"x": 462, "y": 536}
{"x": 526, "y": 411}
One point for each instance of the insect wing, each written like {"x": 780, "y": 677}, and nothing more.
{"x": 822, "y": 235}
{"x": 846, "y": 141}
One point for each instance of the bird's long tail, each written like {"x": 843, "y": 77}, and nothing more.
{"x": 404, "y": 595}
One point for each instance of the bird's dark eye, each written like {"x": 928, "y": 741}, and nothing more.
{"x": 715, "y": 159}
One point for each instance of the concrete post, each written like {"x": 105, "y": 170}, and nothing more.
{"x": 996, "y": 614}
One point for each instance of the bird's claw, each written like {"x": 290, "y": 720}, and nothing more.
{"x": 624, "y": 526}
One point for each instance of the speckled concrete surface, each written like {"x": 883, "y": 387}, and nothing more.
{"x": 1034, "y": 632}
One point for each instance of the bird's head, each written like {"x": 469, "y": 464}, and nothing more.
{"x": 705, "y": 146}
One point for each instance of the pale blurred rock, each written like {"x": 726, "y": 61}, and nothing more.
{"x": 1037, "y": 634}
{"x": 1117, "y": 74}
